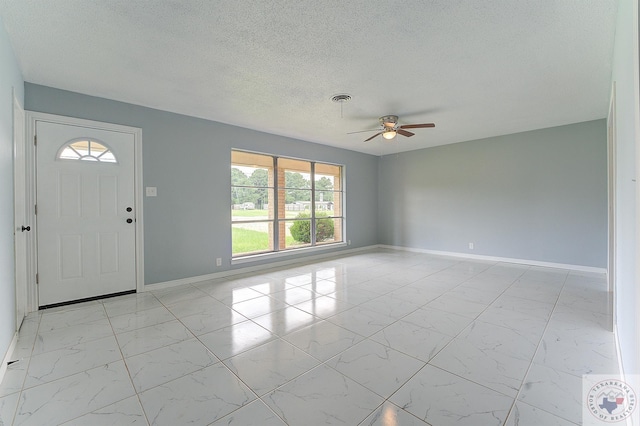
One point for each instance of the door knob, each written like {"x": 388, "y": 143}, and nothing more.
{"x": 129, "y": 220}
{"x": 26, "y": 228}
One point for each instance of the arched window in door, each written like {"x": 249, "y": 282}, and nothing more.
{"x": 86, "y": 150}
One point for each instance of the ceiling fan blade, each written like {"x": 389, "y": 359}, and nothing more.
{"x": 362, "y": 131}
{"x": 417, "y": 126}
{"x": 367, "y": 140}
{"x": 405, "y": 133}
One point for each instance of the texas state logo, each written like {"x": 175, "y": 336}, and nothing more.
{"x": 611, "y": 401}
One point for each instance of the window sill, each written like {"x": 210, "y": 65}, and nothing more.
{"x": 285, "y": 253}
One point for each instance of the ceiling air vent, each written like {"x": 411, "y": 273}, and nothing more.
{"x": 343, "y": 97}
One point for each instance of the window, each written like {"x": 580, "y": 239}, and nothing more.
{"x": 282, "y": 203}
{"x": 86, "y": 150}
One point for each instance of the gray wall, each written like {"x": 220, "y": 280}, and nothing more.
{"x": 188, "y": 159}
{"x": 10, "y": 80}
{"x": 539, "y": 195}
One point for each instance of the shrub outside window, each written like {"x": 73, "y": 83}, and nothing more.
{"x": 280, "y": 203}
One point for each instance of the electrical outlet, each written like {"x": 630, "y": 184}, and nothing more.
{"x": 218, "y": 261}
{"x": 470, "y": 246}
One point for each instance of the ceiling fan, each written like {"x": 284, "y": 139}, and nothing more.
{"x": 389, "y": 128}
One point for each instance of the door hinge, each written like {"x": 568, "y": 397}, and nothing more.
{"x": 35, "y": 208}
{"x": 37, "y": 279}
{"x": 35, "y": 140}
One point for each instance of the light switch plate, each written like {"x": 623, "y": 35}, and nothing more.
{"x": 152, "y": 191}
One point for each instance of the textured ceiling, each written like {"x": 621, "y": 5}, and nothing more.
{"x": 475, "y": 68}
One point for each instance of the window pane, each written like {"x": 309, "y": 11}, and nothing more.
{"x": 298, "y": 233}
{"x": 97, "y": 149}
{"x": 251, "y": 238}
{"x": 328, "y": 230}
{"x": 249, "y": 159}
{"x": 250, "y": 176}
{"x": 328, "y": 203}
{"x": 69, "y": 154}
{"x": 291, "y": 165}
{"x": 297, "y": 173}
{"x": 251, "y": 203}
{"x": 328, "y": 176}
{"x": 81, "y": 146}
{"x": 87, "y": 150}
{"x": 107, "y": 157}
{"x": 251, "y": 198}
{"x": 296, "y": 200}
{"x": 328, "y": 195}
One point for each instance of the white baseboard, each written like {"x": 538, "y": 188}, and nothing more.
{"x": 8, "y": 355}
{"x": 500, "y": 259}
{"x": 263, "y": 267}
{"x": 298, "y": 260}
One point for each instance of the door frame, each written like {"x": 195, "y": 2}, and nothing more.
{"x": 612, "y": 204}
{"x": 32, "y": 118}
{"x": 20, "y": 213}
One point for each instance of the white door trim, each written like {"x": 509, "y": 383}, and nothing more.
{"x": 31, "y": 119}
{"x": 612, "y": 200}
{"x": 21, "y": 239}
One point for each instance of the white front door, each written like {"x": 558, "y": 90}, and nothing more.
{"x": 85, "y": 212}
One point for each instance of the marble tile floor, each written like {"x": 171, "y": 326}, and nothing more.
{"x": 381, "y": 337}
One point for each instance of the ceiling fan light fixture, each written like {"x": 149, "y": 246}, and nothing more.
{"x": 389, "y": 128}
{"x": 389, "y": 121}
{"x": 389, "y": 134}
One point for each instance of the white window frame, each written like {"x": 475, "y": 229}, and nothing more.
{"x": 272, "y": 186}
